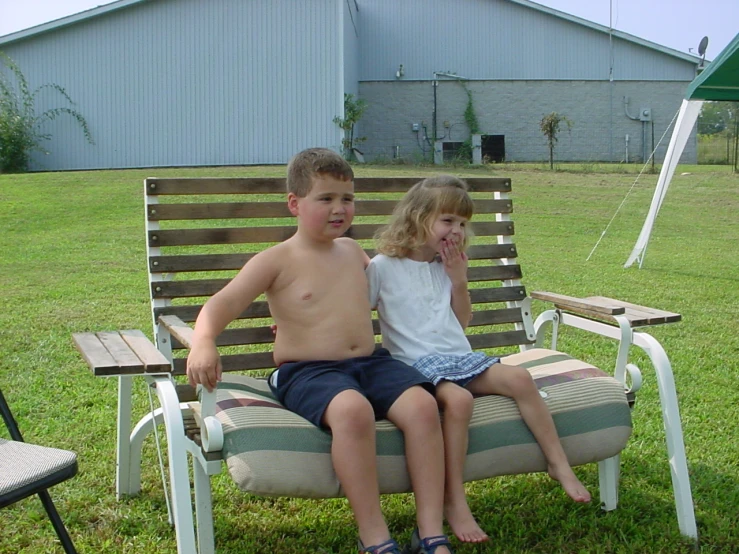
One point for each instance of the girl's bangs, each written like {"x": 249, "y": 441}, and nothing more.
{"x": 453, "y": 200}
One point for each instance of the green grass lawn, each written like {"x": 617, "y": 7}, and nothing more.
{"x": 73, "y": 259}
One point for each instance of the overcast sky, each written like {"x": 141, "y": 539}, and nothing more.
{"x": 679, "y": 24}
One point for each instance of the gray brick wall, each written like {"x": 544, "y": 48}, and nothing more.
{"x": 514, "y": 109}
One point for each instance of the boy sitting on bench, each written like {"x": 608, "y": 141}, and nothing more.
{"x": 328, "y": 370}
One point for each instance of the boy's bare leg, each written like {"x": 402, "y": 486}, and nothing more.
{"x": 515, "y": 382}
{"x": 416, "y": 414}
{"x": 456, "y": 404}
{"x": 352, "y": 422}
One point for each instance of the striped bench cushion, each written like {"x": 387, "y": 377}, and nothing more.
{"x": 272, "y": 451}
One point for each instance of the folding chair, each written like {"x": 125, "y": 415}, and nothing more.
{"x": 28, "y": 469}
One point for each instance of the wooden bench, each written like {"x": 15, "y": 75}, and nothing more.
{"x": 200, "y": 232}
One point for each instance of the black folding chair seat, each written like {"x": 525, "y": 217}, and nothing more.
{"x": 27, "y": 469}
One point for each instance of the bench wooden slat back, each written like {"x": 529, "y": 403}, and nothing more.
{"x": 249, "y": 210}
{"x": 201, "y": 231}
{"x": 244, "y": 235}
{"x": 276, "y": 185}
{"x": 208, "y": 262}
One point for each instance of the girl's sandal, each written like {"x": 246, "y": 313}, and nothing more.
{"x": 387, "y": 547}
{"x": 429, "y": 544}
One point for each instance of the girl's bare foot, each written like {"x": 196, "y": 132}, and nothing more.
{"x": 463, "y": 523}
{"x": 570, "y": 483}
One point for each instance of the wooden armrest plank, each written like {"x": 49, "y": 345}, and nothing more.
{"x": 602, "y": 307}
{"x": 640, "y": 316}
{"x": 153, "y": 360}
{"x": 583, "y": 304}
{"x": 95, "y": 354}
{"x": 178, "y": 329}
{"x": 127, "y": 361}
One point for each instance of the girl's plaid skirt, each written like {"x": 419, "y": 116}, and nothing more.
{"x": 459, "y": 369}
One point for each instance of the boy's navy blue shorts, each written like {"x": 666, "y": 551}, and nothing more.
{"x": 307, "y": 388}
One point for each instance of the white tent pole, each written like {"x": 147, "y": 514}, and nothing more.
{"x": 689, "y": 111}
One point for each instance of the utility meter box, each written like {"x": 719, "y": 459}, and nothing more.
{"x": 645, "y": 114}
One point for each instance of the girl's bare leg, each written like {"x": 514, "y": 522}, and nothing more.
{"x": 456, "y": 405}
{"x": 515, "y": 382}
{"x": 416, "y": 414}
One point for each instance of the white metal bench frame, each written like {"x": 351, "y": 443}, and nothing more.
{"x": 198, "y": 537}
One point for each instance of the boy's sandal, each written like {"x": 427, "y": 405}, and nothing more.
{"x": 429, "y": 544}
{"x": 387, "y": 547}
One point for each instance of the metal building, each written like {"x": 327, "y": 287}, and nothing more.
{"x": 231, "y": 82}
{"x": 518, "y": 61}
{"x": 186, "y": 83}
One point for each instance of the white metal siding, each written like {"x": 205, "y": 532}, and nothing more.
{"x": 185, "y": 82}
{"x": 497, "y": 39}
{"x": 351, "y": 45}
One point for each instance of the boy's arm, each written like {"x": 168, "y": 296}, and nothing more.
{"x": 203, "y": 362}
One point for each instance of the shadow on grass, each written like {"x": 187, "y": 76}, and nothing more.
{"x": 715, "y": 498}
{"x": 527, "y": 513}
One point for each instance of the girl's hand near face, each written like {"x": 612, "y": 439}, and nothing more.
{"x": 455, "y": 265}
{"x": 455, "y": 262}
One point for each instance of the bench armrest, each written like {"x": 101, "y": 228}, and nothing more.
{"x": 579, "y": 305}
{"x": 178, "y": 329}
{"x": 211, "y": 431}
{"x": 601, "y": 307}
{"x": 117, "y": 353}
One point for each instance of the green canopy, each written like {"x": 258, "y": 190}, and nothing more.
{"x": 720, "y": 80}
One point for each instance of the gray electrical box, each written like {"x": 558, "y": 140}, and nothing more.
{"x": 645, "y": 114}
{"x": 415, "y": 127}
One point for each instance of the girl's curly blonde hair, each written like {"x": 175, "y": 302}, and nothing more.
{"x": 414, "y": 215}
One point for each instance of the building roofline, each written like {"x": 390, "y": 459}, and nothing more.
{"x": 120, "y": 4}
{"x": 614, "y": 32}
{"x": 68, "y": 20}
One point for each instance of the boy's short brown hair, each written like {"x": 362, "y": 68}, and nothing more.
{"x": 307, "y": 164}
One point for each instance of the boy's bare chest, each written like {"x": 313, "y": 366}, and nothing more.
{"x": 313, "y": 284}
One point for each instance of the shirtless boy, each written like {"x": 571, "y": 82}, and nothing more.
{"x": 328, "y": 369}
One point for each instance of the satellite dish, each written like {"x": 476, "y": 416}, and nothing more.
{"x": 702, "y": 47}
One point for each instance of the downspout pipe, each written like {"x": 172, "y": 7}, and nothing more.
{"x": 435, "y": 83}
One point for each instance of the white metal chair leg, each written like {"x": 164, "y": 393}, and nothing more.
{"x": 668, "y": 399}
{"x": 546, "y": 320}
{"x": 203, "y": 509}
{"x": 139, "y": 433}
{"x": 608, "y": 476}
{"x": 122, "y": 467}
{"x": 673, "y": 433}
{"x": 178, "y": 469}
